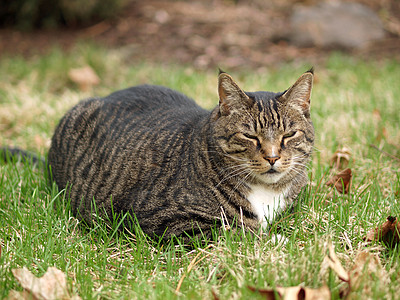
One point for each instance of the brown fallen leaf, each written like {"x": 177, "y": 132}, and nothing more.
{"x": 52, "y": 285}
{"x": 388, "y": 232}
{"x": 366, "y": 268}
{"x": 294, "y": 293}
{"x": 365, "y": 264}
{"x": 333, "y": 262}
{"x": 341, "y": 181}
{"x": 84, "y": 77}
{"x": 341, "y": 158}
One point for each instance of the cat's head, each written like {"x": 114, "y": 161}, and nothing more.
{"x": 268, "y": 136}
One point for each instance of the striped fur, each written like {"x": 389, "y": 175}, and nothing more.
{"x": 153, "y": 152}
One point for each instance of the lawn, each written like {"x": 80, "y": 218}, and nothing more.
{"x": 355, "y": 106}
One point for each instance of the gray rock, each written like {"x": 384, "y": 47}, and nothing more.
{"x": 335, "y": 25}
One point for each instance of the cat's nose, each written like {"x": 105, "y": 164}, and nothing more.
{"x": 272, "y": 159}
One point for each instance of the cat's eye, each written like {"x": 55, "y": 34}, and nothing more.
{"x": 289, "y": 135}
{"x": 249, "y": 136}
{"x": 254, "y": 139}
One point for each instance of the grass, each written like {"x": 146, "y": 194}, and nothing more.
{"x": 354, "y": 104}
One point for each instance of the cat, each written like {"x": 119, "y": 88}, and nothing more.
{"x": 179, "y": 169}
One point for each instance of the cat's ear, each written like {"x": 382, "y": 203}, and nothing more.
{"x": 231, "y": 96}
{"x": 299, "y": 94}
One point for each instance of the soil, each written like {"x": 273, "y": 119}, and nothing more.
{"x": 203, "y": 33}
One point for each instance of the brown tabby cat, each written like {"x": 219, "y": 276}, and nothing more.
{"x": 178, "y": 168}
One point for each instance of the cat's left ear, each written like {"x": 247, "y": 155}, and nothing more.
{"x": 299, "y": 94}
{"x": 231, "y": 96}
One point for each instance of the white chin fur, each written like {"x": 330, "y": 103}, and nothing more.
{"x": 270, "y": 178}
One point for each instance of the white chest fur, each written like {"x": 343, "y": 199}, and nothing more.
{"x": 267, "y": 204}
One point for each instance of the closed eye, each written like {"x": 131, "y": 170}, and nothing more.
{"x": 289, "y": 135}
{"x": 249, "y": 136}
{"x": 286, "y": 137}
{"x": 254, "y": 138}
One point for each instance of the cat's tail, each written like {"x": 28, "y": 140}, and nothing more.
{"x": 9, "y": 154}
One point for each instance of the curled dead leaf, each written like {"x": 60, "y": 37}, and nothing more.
{"x": 341, "y": 181}
{"x": 293, "y": 293}
{"x": 84, "y": 77}
{"x": 388, "y": 232}
{"x": 341, "y": 158}
{"x": 366, "y": 268}
{"x": 52, "y": 285}
{"x": 333, "y": 262}
{"x": 365, "y": 264}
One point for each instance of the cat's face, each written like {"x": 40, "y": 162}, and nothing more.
{"x": 266, "y": 137}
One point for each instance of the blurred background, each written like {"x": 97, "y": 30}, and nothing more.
{"x": 206, "y": 33}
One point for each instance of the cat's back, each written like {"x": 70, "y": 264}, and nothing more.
{"x": 146, "y": 98}
{"x": 102, "y": 133}
{"x": 144, "y": 107}
{"x": 142, "y": 99}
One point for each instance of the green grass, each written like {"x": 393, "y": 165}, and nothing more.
{"x": 354, "y": 104}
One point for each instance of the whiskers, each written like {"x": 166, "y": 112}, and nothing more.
{"x": 241, "y": 171}
{"x": 298, "y": 164}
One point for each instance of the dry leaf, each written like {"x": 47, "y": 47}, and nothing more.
{"x": 333, "y": 262}
{"x": 388, "y": 232}
{"x": 365, "y": 265}
{"x": 341, "y": 158}
{"x": 341, "y": 181}
{"x": 294, "y": 293}
{"x": 52, "y": 285}
{"x": 84, "y": 77}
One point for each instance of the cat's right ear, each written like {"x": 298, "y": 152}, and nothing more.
{"x": 299, "y": 94}
{"x": 231, "y": 96}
